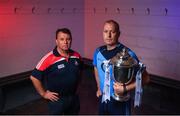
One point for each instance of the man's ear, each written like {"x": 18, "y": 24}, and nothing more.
{"x": 56, "y": 41}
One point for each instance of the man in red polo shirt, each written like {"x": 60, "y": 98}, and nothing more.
{"x": 60, "y": 69}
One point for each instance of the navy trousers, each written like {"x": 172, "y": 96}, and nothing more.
{"x": 114, "y": 107}
{"x": 66, "y": 105}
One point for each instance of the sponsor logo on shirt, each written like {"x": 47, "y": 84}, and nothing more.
{"x": 76, "y": 63}
{"x": 60, "y": 66}
{"x": 99, "y": 59}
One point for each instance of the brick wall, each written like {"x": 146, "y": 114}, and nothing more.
{"x": 150, "y": 28}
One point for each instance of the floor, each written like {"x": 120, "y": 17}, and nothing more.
{"x": 155, "y": 100}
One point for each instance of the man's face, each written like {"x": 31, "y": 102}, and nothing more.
{"x": 63, "y": 41}
{"x": 110, "y": 34}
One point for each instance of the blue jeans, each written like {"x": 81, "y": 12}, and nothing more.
{"x": 114, "y": 107}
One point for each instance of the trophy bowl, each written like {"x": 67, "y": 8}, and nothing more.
{"x": 123, "y": 71}
{"x": 123, "y": 75}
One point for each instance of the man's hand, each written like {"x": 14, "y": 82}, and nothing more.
{"x": 98, "y": 93}
{"x": 118, "y": 88}
{"x": 51, "y": 96}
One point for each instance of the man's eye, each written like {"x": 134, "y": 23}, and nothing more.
{"x": 68, "y": 39}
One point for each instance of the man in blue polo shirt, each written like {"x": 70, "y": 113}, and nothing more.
{"x": 60, "y": 69}
{"x": 106, "y": 87}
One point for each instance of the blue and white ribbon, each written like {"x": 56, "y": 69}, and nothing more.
{"x": 106, "y": 89}
{"x": 138, "y": 89}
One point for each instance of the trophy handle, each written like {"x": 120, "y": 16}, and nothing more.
{"x": 142, "y": 67}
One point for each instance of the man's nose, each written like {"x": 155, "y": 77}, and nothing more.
{"x": 65, "y": 41}
{"x": 109, "y": 34}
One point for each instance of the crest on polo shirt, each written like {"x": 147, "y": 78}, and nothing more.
{"x": 76, "y": 63}
{"x": 60, "y": 66}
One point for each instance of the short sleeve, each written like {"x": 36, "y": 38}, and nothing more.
{"x": 132, "y": 54}
{"x": 95, "y": 57}
{"x": 37, "y": 74}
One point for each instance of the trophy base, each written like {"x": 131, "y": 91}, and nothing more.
{"x": 121, "y": 98}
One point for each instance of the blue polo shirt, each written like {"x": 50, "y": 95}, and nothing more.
{"x": 61, "y": 74}
{"x": 100, "y": 55}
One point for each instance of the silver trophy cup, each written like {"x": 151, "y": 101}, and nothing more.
{"x": 123, "y": 69}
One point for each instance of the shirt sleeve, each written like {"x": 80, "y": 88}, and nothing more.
{"x": 81, "y": 65}
{"x": 132, "y": 54}
{"x": 39, "y": 71}
{"x": 95, "y": 57}
{"x": 37, "y": 74}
